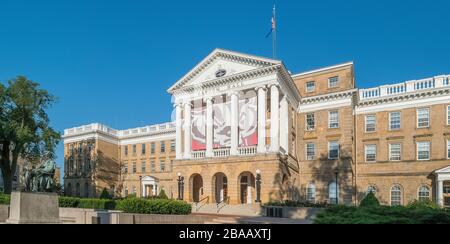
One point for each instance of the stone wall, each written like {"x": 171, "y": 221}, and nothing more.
{"x": 122, "y": 218}
{"x": 4, "y": 213}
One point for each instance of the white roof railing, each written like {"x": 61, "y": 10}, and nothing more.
{"x": 405, "y": 87}
{"x": 96, "y": 127}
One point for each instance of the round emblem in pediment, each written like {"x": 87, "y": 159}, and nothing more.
{"x": 221, "y": 73}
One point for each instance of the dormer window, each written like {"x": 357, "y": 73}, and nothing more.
{"x": 333, "y": 82}
{"x": 310, "y": 86}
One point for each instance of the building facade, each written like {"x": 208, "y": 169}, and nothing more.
{"x": 246, "y": 130}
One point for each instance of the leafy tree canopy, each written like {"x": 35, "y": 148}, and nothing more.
{"x": 25, "y": 130}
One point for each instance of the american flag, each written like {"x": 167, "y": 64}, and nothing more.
{"x": 274, "y": 23}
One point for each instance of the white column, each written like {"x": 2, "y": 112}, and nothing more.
{"x": 262, "y": 100}
{"x": 209, "y": 127}
{"x": 274, "y": 119}
{"x": 440, "y": 193}
{"x": 234, "y": 123}
{"x": 284, "y": 124}
{"x": 179, "y": 124}
{"x": 187, "y": 130}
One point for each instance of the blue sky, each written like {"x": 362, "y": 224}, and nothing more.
{"x": 112, "y": 61}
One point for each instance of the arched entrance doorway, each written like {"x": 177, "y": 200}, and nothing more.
{"x": 220, "y": 186}
{"x": 196, "y": 189}
{"x": 246, "y": 183}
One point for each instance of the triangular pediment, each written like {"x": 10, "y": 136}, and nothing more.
{"x": 149, "y": 179}
{"x": 445, "y": 170}
{"x": 219, "y": 64}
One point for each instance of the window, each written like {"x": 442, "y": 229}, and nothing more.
{"x": 371, "y": 123}
{"x": 395, "y": 121}
{"x": 448, "y": 115}
{"x": 423, "y": 118}
{"x": 395, "y": 152}
{"x": 371, "y": 153}
{"x": 311, "y": 193}
{"x": 152, "y": 147}
{"x": 310, "y": 151}
{"x": 333, "y": 82}
{"x": 333, "y": 193}
{"x": 163, "y": 146}
{"x": 310, "y": 122}
{"x": 125, "y": 168}
{"x": 163, "y": 166}
{"x": 172, "y": 146}
{"x": 133, "y": 191}
{"x": 423, "y": 150}
{"x": 143, "y": 149}
{"x": 424, "y": 193}
{"x": 134, "y": 168}
{"x": 310, "y": 86}
{"x": 143, "y": 167}
{"x": 134, "y": 149}
{"x": 125, "y": 150}
{"x": 396, "y": 196}
{"x": 333, "y": 150}
{"x": 333, "y": 119}
{"x": 71, "y": 149}
{"x": 126, "y": 191}
{"x": 448, "y": 149}
{"x": 152, "y": 166}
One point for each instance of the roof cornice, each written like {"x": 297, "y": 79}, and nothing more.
{"x": 325, "y": 69}
{"x": 330, "y": 96}
{"x": 404, "y": 97}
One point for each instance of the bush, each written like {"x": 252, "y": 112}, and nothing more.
{"x": 68, "y": 202}
{"x": 157, "y": 206}
{"x": 85, "y": 203}
{"x": 4, "y": 199}
{"x": 423, "y": 204}
{"x": 97, "y": 204}
{"x": 105, "y": 194}
{"x": 162, "y": 195}
{"x": 370, "y": 201}
{"x": 297, "y": 204}
{"x": 383, "y": 215}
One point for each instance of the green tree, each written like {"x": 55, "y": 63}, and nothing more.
{"x": 163, "y": 195}
{"x": 25, "y": 130}
{"x": 105, "y": 194}
{"x": 370, "y": 201}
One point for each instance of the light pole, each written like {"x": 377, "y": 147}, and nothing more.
{"x": 180, "y": 186}
{"x": 336, "y": 173}
{"x": 258, "y": 186}
{"x": 140, "y": 186}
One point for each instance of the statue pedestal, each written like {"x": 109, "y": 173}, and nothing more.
{"x": 34, "y": 208}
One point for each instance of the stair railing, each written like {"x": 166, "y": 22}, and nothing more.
{"x": 223, "y": 203}
{"x": 197, "y": 204}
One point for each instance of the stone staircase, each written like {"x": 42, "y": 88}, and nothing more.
{"x": 247, "y": 210}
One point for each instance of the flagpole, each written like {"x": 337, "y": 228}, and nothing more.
{"x": 274, "y": 36}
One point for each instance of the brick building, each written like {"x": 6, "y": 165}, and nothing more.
{"x": 247, "y": 130}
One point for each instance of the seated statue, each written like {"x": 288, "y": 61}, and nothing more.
{"x": 40, "y": 179}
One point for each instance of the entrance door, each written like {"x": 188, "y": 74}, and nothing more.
{"x": 150, "y": 190}
{"x": 197, "y": 187}
{"x": 244, "y": 189}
